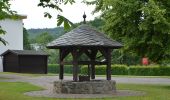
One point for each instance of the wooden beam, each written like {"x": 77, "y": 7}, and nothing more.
{"x": 86, "y": 63}
{"x": 87, "y": 53}
{"x": 65, "y": 52}
{"x": 93, "y": 58}
{"x": 103, "y": 52}
{"x": 61, "y": 65}
{"x": 108, "y": 68}
{"x": 80, "y": 52}
{"x": 75, "y": 65}
{"x": 88, "y": 72}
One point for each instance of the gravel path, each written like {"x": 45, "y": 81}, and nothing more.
{"x": 46, "y": 82}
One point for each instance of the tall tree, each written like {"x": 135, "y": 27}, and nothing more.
{"x": 26, "y": 40}
{"x": 43, "y": 39}
{"x": 5, "y": 12}
{"x": 55, "y": 5}
{"x": 142, "y": 25}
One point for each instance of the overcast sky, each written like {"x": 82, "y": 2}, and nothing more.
{"x": 35, "y": 15}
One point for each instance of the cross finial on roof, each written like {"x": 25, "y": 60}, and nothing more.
{"x": 84, "y": 16}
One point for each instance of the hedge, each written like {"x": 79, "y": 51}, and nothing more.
{"x": 131, "y": 70}
{"x": 144, "y": 70}
{"x": 54, "y": 68}
{"x": 101, "y": 70}
{"x": 117, "y": 70}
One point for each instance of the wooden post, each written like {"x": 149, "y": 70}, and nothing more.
{"x": 108, "y": 67}
{"x": 61, "y": 73}
{"x": 93, "y": 58}
{"x": 88, "y": 72}
{"x": 75, "y": 65}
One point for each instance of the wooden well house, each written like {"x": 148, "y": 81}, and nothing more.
{"x": 25, "y": 61}
{"x": 84, "y": 40}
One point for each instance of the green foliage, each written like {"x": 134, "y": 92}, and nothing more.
{"x": 53, "y": 55}
{"x": 55, "y": 5}
{"x": 26, "y": 40}
{"x": 119, "y": 70}
{"x": 144, "y": 70}
{"x": 54, "y": 68}
{"x": 5, "y": 12}
{"x": 131, "y": 70}
{"x": 43, "y": 39}
{"x": 62, "y": 20}
{"x": 55, "y": 32}
{"x": 142, "y": 25}
{"x": 149, "y": 71}
{"x": 101, "y": 70}
{"x": 16, "y": 90}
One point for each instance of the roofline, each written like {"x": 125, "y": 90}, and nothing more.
{"x": 20, "y": 54}
{"x": 79, "y": 46}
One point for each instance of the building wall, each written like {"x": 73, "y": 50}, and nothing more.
{"x": 11, "y": 63}
{"x": 14, "y": 36}
{"x": 33, "y": 64}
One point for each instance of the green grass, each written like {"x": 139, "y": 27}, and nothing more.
{"x": 15, "y": 90}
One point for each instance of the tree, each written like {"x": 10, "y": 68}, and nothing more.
{"x": 55, "y": 4}
{"x": 26, "y": 40}
{"x": 142, "y": 25}
{"x": 5, "y": 12}
{"x": 43, "y": 39}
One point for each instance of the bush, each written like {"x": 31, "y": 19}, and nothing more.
{"x": 54, "y": 68}
{"x": 116, "y": 70}
{"x": 149, "y": 70}
{"x": 143, "y": 70}
{"x": 164, "y": 71}
{"x": 119, "y": 70}
{"x": 101, "y": 70}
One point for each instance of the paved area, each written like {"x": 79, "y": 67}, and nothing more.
{"x": 46, "y": 82}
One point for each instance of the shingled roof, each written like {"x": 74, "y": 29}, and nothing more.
{"x": 84, "y": 36}
{"x": 25, "y": 52}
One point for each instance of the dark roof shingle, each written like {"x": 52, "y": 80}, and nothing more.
{"x": 84, "y": 35}
{"x": 25, "y": 52}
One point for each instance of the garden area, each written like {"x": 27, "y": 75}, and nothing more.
{"x": 150, "y": 70}
{"x": 124, "y": 51}
{"x": 16, "y": 90}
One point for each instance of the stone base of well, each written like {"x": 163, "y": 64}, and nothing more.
{"x": 86, "y": 87}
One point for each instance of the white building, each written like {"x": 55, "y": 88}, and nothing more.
{"x": 14, "y": 35}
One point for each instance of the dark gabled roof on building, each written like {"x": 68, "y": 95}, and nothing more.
{"x": 84, "y": 36}
{"x": 25, "y": 52}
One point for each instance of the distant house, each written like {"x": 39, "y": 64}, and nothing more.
{"x": 14, "y": 35}
{"x": 25, "y": 61}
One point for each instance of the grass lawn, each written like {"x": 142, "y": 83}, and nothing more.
{"x": 14, "y": 91}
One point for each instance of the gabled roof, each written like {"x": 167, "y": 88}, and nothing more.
{"x": 84, "y": 36}
{"x": 25, "y": 52}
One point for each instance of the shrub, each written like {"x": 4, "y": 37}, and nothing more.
{"x": 101, "y": 70}
{"x": 117, "y": 70}
{"x": 144, "y": 71}
{"x": 164, "y": 71}
{"x": 54, "y": 68}
{"x": 149, "y": 70}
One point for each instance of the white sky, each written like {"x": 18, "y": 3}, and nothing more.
{"x": 35, "y": 14}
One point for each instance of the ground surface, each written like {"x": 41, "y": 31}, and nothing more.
{"x": 46, "y": 82}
